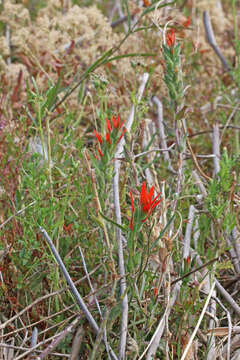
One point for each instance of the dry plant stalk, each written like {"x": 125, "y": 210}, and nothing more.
{"x": 117, "y": 165}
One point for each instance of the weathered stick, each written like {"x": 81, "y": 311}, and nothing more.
{"x": 161, "y": 131}
{"x": 199, "y": 183}
{"x": 8, "y": 346}
{"x": 187, "y": 237}
{"x": 77, "y": 341}
{"x": 58, "y": 339}
{"x": 117, "y": 164}
{"x": 212, "y": 41}
{"x": 34, "y": 341}
{"x": 228, "y": 297}
{"x": 74, "y": 290}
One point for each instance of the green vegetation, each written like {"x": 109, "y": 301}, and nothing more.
{"x": 119, "y": 153}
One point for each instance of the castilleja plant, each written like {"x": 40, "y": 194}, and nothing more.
{"x": 173, "y": 73}
{"x": 107, "y": 143}
{"x": 146, "y": 206}
{"x": 104, "y": 166}
{"x": 141, "y": 211}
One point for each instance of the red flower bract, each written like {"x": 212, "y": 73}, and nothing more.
{"x": 147, "y": 202}
{"x": 122, "y": 134}
{"x": 98, "y": 136}
{"x": 114, "y": 134}
{"x": 100, "y": 153}
{"x": 187, "y": 23}
{"x": 108, "y": 139}
{"x": 132, "y": 203}
{"x": 170, "y": 38}
{"x": 109, "y": 126}
{"x": 116, "y": 122}
{"x": 146, "y": 199}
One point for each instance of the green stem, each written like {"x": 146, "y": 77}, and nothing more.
{"x": 49, "y": 157}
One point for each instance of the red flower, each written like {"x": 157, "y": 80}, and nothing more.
{"x": 147, "y": 202}
{"x": 108, "y": 138}
{"x": 109, "y": 126}
{"x": 98, "y": 136}
{"x": 171, "y": 38}
{"x": 100, "y": 152}
{"x": 132, "y": 203}
{"x": 131, "y": 223}
{"x": 146, "y": 3}
{"x": 116, "y": 123}
{"x": 123, "y": 132}
{"x": 187, "y": 23}
{"x": 112, "y": 135}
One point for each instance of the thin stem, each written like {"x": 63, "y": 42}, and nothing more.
{"x": 49, "y": 157}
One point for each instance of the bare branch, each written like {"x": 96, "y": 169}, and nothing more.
{"x": 187, "y": 237}
{"x": 162, "y": 135}
{"x": 199, "y": 183}
{"x": 77, "y": 341}
{"x": 73, "y": 289}
{"x": 117, "y": 164}
{"x": 228, "y": 297}
{"x": 34, "y": 340}
{"x": 212, "y": 41}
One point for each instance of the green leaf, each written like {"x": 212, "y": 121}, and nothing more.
{"x": 153, "y": 7}
{"x": 128, "y": 14}
{"x": 128, "y": 55}
{"x": 35, "y": 85}
{"x": 113, "y": 222}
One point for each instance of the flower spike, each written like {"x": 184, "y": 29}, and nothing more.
{"x": 171, "y": 38}
{"x": 146, "y": 200}
{"x": 111, "y": 137}
{"x": 147, "y": 203}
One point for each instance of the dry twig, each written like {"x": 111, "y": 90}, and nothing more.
{"x": 117, "y": 164}
{"x": 212, "y": 41}
{"x": 74, "y": 290}
{"x": 162, "y": 136}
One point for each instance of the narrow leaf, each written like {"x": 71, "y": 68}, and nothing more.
{"x": 113, "y": 222}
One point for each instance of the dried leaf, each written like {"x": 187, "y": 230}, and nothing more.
{"x": 219, "y": 331}
{"x": 223, "y": 331}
